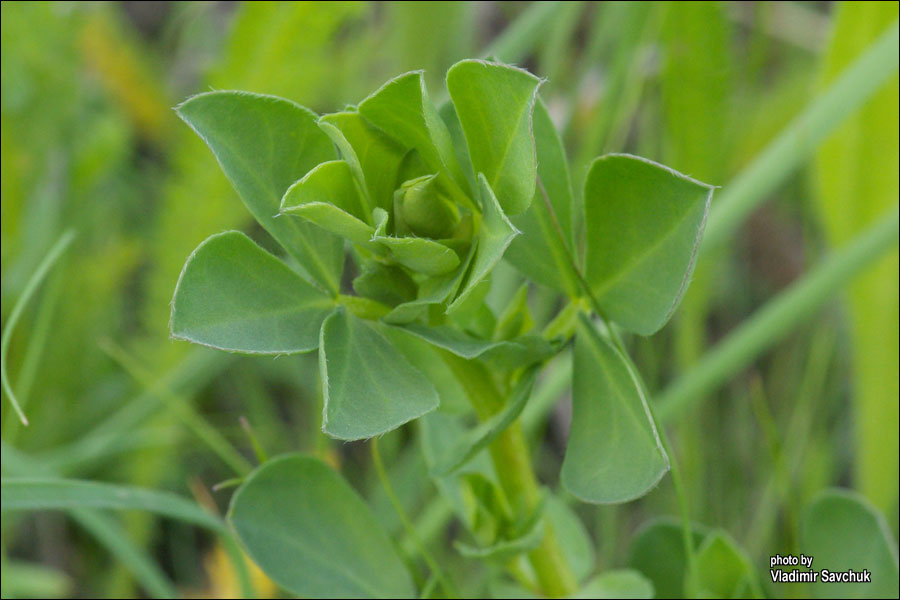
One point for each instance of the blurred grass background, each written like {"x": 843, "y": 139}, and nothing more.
{"x": 90, "y": 143}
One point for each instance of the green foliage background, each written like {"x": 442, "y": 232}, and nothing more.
{"x": 90, "y": 142}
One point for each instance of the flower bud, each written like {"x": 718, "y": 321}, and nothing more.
{"x": 422, "y": 208}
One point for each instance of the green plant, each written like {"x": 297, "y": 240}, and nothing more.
{"x": 426, "y": 201}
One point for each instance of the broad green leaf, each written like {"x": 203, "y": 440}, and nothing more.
{"x": 545, "y": 250}
{"x": 426, "y": 359}
{"x": 614, "y": 452}
{"x": 644, "y": 223}
{"x": 494, "y": 103}
{"x": 494, "y": 236}
{"x": 402, "y": 109}
{"x": 313, "y": 535}
{"x": 328, "y": 197}
{"x": 623, "y": 583}
{"x": 378, "y": 155}
{"x": 478, "y": 438}
{"x": 658, "y": 552}
{"x": 67, "y": 494}
{"x": 518, "y": 351}
{"x": 369, "y": 387}
{"x": 330, "y": 182}
{"x": 264, "y": 144}
{"x": 858, "y": 183}
{"x": 573, "y": 538}
{"x": 842, "y": 531}
{"x": 723, "y": 570}
{"x": 233, "y": 295}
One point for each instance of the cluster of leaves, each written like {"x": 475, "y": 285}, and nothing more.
{"x": 427, "y": 201}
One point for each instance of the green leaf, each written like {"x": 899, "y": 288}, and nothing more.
{"x": 402, "y": 109}
{"x": 369, "y": 386}
{"x": 503, "y": 551}
{"x": 264, "y": 144}
{"x": 328, "y": 197}
{"x": 313, "y": 535}
{"x": 623, "y": 583}
{"x": 420, "y": 254}
{"x": 544, "y": 252}
{"x": 658, "y": 552}
{"x": 387, "y": 284}
{"x": 233, "y": 295}
{"x": 478, "y": 438}
{"x": 494, "y": 103}
{"x": 842, "y": 531}
{"x": 494, "y": 235}
{"x": 614, "y": 452}
{"x": 518, "y": 351}
{"x": 574, "y": 540}
{"x": 859, "y": 161}
{"x": 379, "y": 156}
{"x": 66, "y": 494}
{"x": 644, "y": 223}
{"x": 724, "y": 571}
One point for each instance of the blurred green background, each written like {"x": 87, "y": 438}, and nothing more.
{"x": 90, "y": 143}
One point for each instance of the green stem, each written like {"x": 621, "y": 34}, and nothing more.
{"x": 778, "y": 318}
{"x": 30, "y": 288}
{"x": 799, "y": 140}
{"x": 436, "y": 570}
{"x": 512, "y": 462}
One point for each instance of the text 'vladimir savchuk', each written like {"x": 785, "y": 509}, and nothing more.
{"x": 805, "y": 573}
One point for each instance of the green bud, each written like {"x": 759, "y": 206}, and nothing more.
{"x": 421, "y": 207}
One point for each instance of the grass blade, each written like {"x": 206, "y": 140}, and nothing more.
{"x": 778, "y": 318}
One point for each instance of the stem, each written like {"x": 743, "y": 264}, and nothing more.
{"x": 800, "y": 139}
{"x": 407, "y": 524}
{"x": 30, "y": 287}
{"x": 778, "y": 318}
{"x": 512, "y": 462}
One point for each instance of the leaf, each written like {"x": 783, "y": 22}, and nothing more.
{"x": 623, "y": 583}
{"x": 264, "y": 144}
{"x": 233, "y": 295}
{"x": 658, "y": 552}
{"x": 644, "y": 223}
{"x": 505, "y": 550}
{"x": 614, "y": 453}
{"x": 427, "y": 360}
{"x": 369, "y": 387}
{"x": 385, "y": 283}
{"x": 328, "y": 197}
{"x": 402, "y": 109}
{"x": 313, "y": 535}
{"x": 841, "y": 531}
{"x": 420, "y": 254}
{"x": 65, "y": 494}
{"x": 379, "y": 156}
{"x": 518, "y": 351}
{"x": 480, "y": 437}
{"x": 494, "y": 235}
{"x": 545, "y": 250}
{"x": 494, "y": 103}
{"x": 724, "y": 571}
{"x": 859, "y": 162}
{"x": 574, "y": 540}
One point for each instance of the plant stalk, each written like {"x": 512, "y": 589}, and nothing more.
{"x": 512, "y": 462}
